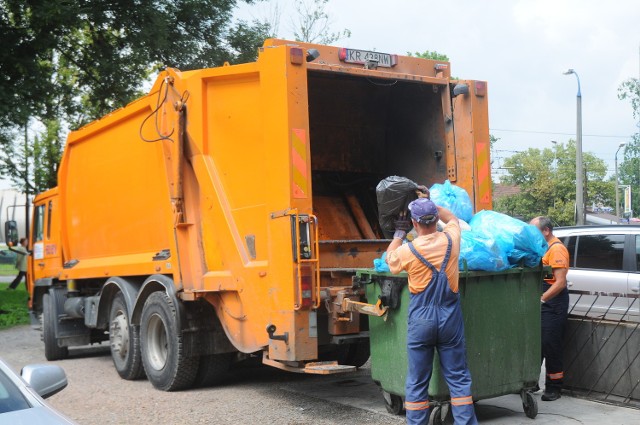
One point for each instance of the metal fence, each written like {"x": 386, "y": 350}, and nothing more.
{"x": 602, "y": 347}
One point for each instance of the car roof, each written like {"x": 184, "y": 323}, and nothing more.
{"x": 626, "y": 229}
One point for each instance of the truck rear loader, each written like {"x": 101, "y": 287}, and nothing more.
{"x": 223, "y": 215}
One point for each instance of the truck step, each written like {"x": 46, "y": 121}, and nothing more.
{"x": 316, "y": 368}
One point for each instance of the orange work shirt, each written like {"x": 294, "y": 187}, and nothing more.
{"x": 557, "y": 256}
{"x": 433, "y": 248}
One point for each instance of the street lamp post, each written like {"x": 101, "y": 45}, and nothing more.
{"x": 617, "y": 188}
{"x": 555, "y": 170}
{"x": 579, "y": 172}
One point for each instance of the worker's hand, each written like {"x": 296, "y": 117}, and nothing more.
{"x": 402, "y": 226}
{"x": 423, "y": 192}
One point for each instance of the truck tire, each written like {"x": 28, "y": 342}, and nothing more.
{"x": 124, "y": 340}
{"x": 49, "y": 319}
{"x": 165, "y": 363}
{"x": 358, "y": 353}
{"x": 354, "y": 354}
{"x": 212, "y": 370}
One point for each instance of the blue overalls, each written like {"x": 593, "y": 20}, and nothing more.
{"x": 553, "y": 315}
{"x": 435, "y": 320}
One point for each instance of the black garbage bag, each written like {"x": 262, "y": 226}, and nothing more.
{"x": 394, "y": 195}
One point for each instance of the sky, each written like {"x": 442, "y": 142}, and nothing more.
{"x": 521, "y": 48}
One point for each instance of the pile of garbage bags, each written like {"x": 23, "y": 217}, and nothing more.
{"x": 494, "y": 242}
{"x": 453, "y": 198}
{"x": 497, "y": 242}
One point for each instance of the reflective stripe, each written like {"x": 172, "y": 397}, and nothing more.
{"x": 461, "y": 401}
{"x": 416, "y": 405}
{"x": 554, "y": 376}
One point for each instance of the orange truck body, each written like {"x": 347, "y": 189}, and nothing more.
{"x": 250, "y": 190}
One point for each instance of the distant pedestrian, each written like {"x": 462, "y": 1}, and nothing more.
{"x": 554, "y": 309}
{"x": 21, "y": 262}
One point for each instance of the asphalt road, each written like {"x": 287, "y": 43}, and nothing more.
{"x": 258, "y": 395}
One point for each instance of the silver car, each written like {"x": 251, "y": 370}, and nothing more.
{"x": 604, "y": 277}
{"x": 21, "y": 398}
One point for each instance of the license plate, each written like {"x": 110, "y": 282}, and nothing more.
{"x": 362, "y": 57}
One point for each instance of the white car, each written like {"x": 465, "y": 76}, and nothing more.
{"x": 604, "y": 277}
{"x": 21, "y": 397}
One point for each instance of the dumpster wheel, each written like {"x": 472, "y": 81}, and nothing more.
{"x": 439, "y": 414}
{"x": 529, "y": 404}
{"x": 393, "y": 403}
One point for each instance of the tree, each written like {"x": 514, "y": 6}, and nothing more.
{"x": 428, "y": 54}
{"x": 313, "y": 24}
{"x": 546, "y": 179}
{"x": 64, "y": 64}
{"x": 629, "y": 169}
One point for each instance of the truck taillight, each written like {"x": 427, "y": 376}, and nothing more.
{"x": 296, "y": 56}
{"x": 306, "y": 288}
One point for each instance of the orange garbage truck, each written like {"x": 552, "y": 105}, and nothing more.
{"x": 223, "y": 215}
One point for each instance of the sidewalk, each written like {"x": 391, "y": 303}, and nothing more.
{"x": 359, "y": 391}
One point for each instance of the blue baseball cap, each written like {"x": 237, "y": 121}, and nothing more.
{"x": 423, "y": 210}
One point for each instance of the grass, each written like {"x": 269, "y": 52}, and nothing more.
{"x": 13, "y": 306}
{"x": 8, "y": 270}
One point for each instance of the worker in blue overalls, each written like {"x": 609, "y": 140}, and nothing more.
{"x": 435, "y": 316}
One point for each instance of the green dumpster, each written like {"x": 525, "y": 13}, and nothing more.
{"x": 502, "y": 329}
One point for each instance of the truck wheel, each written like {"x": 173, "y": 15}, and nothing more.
{"x": 165, "y": 363}
{"x": 124, "y": 340}
{"x": 49, "y": 319}
{"x": 212, "y": 369}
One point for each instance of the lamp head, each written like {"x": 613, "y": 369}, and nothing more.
{"x": 312, "y": 54}
{"x": 622, "y": 144}
{"x": 569, "y": 71}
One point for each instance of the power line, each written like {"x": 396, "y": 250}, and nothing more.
{"x": 558, "y": 134}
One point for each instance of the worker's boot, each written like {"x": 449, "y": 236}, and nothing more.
{"x": 551, "y": 394}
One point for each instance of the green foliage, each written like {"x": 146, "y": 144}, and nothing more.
{"x": 629, "y": 169}
{"x": 546, "y": 179}
{"x": 428, "y": 54}
{"x": 64, "y": 64}
{"x": 13, "y": 306}
{"x": 630, "y": 90}
{"x": 313, "y": 24}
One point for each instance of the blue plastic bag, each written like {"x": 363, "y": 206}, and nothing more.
{"x": 453, "y": 198}
{"x": 481, "y": 253}
{"x": 520, "y": 241}
{"x": 380, "y": 264}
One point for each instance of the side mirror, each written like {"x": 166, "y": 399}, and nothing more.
{"x": 11, "y": 232}
{"x": 45, "y": 379}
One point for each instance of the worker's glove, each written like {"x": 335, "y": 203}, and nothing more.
{"x": 423, "y": 192}
{"x": 402, "y": 225}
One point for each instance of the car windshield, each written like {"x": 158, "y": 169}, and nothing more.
{"x": 10, "y": 396}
